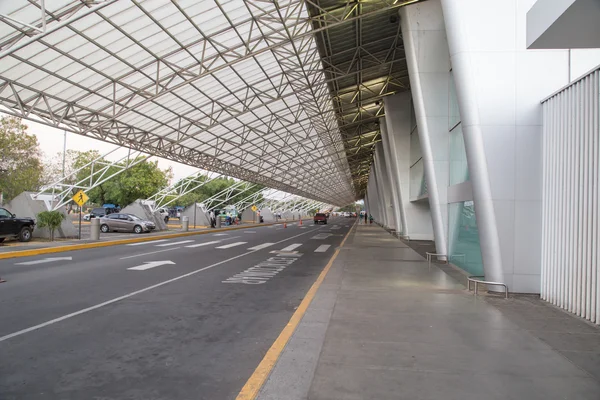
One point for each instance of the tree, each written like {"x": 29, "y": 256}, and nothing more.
{"x": 138, "y": 182}
{"x": 21, "y": 168}
{"x": 50, "y": 220}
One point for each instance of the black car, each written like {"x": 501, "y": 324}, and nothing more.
{"x": 13, "y": 227}
{"x": 101, "y": 212}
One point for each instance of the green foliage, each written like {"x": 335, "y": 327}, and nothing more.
{"x": 211, "y": 189}
{"x": 21, "y": 168}
{"x": 138, "y": 182}
{"x": 50, "y": 220}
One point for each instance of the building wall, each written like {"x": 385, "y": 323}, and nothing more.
{"x": 571, "y": 199}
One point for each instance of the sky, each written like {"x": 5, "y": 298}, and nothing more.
{"x": 52, "y": 141}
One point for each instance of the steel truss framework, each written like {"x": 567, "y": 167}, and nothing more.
{"x": 62, "y": 190}
{"x": 239, "y": 87}
{"x": 171, "y": 193}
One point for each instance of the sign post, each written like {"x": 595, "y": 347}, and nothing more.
{"x": 254, "y": 208}
{"x": 80, "y": 199}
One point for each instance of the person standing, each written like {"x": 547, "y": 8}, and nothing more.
{"x": 213, "y": 221}
{"x": 365, "y": 217}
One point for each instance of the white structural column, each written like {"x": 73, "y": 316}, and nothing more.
{"x": 373, "y": 195}
{"x": 416, "y": 217}
{"x": 499, "y": 86}
{"x": 380, "y": 184}
{"x": 386, "y": 187}
{"x": 389, "y": 152}
{"x": 425, "y": 44}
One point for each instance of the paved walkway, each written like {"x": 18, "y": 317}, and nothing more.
{"x": 382, "y": 326}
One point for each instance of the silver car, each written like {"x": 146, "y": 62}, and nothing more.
{"x": 125, "y": 223}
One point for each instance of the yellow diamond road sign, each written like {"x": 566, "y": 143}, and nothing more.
{"x": 80, "y": 198}
{"x": 254, "y": 208}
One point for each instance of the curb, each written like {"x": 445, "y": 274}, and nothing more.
{"x": 84, "y": 246}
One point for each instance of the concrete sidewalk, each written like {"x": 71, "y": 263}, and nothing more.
{"x": 382, "y": 326}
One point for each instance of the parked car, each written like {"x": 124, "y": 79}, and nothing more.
{"x": 320, "y": 219}
{"x": 164, "y": 213}
{"x": 13, "y": 227}
{"x": 125, "y": 223}
{"x": 100, "y": 212}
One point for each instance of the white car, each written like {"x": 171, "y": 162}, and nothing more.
{"x": 87, "y": 217}
{"x": 164, "y": 213}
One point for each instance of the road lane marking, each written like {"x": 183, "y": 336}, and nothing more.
{"x": 265, "y": 270}
{"x": 321, "y": 236}
{"x": 291, "y": 247}
{"x": 175, "y": 243}
{"x": 322, "y": 248}
{"x": 221, "y": 234}
{"x": 147, "y": 254}
{"x": 150, "y": 242}
{"x": 227, "y": 246}
{"x": 151, "y": 264}
{"x": 261, "y": 246}
{"x": 45, "y": 260}
{"x": 203, "y": 244}
{"x": 263, "y": 370}
{"x": 135, "y": 293}
{"x": 249, "y": 231}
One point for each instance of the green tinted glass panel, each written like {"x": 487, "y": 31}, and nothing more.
{"x": 459, "y": 171}
{"x": 463, "y": 236}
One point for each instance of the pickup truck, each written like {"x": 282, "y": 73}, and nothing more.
{"x": 320, "y": 219}
{"x": 13, "y": 227}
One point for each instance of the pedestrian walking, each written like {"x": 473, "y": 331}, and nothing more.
{"x": 365, "y": 217}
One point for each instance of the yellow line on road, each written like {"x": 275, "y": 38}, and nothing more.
{"x": 262, "y": 372}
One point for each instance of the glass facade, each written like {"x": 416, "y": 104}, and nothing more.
{"x": 463, "y": 237}
{"x": 459, "y": 171}
{"x": 418, "y": 184}
{"x": 453, "y": 112}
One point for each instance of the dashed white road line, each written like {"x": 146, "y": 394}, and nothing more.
{"x": 322, "y": 248}
{"x": 261, "y": 246}
{"x": 221, "y": 234}
{"x": 126, "y": 296}
{"x": 291, "y": 247}
{"x": 191, "y": 246}
{"x": 227, "y": 246}
{"x": 175, "y": 243}
{"x": 147, "y": 254}
{"x": 150, "y": 242}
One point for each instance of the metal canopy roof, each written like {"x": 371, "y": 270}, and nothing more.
{"x": 239, "y": 87}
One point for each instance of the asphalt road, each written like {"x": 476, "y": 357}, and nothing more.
{"x": 185, "y": 318}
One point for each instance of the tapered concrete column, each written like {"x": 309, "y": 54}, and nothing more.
{"x": 386, "y": 187}
{"x": 380, "y": 192}
{"x": 398, "y": 126}
{"x": 389, "y": 152}
{"x": 426, "y": 48}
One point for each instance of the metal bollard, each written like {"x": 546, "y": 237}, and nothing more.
{"x": 95, "y": 229}
{"x": 185, "y": 223}
{"x": 218, "y": 221}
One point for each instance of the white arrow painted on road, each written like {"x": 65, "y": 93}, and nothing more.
{"x": 150, "y": 264}
{"x": 45, "y": 260}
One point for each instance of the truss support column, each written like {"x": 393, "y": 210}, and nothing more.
{"x": 428, "y": 71}
{"x": 398, "y": 128}
{"x": 379, "y": 191}
{"x": 389, "y": 154}
{"x": 384, "y": 188}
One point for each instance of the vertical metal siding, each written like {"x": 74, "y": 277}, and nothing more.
{"x": 571, "y": 198}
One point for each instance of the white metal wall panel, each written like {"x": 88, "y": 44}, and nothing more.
{"x": 571, "y": 193}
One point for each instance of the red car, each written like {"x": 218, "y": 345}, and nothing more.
{"x": 320, "y": 219}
